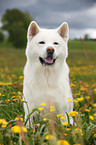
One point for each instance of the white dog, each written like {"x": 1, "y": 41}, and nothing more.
{"x": 46, "y": 74}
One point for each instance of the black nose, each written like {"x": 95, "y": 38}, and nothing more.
{"x": 50, "y": 50}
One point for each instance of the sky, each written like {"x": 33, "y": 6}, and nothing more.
{"x": 79, "y": 14}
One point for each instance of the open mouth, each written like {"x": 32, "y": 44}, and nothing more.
{"x": 47, "y": 61}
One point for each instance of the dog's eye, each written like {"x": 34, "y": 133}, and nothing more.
{"x": 41, "y": 42}
{"x": 55, "y": 43}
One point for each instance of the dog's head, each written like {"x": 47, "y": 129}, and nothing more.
{"x": 47, "y": 46}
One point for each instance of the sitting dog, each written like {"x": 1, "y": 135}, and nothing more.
{"x": 46, "y": 73}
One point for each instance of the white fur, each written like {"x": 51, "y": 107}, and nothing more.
{"x": 43, "y": 84}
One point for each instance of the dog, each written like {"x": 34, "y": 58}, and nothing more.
{"x": 46, "y": 73}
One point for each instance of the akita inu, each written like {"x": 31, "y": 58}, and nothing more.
{"x": 46, "y": 73}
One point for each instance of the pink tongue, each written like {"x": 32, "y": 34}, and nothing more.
{"x": 48, "y": 60}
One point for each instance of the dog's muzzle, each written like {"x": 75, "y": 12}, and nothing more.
{"x": 49, "y": 59}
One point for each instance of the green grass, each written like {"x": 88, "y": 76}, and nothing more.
{"x": 47, "y": 128}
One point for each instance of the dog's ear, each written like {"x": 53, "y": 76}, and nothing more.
{"x": 63, "y": 31}
{"x": 33, "y": 29}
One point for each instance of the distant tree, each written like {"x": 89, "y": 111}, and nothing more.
{"x": 16, "y": 23}
{"x": 86, "y": 37}
{"x": 1, "y": 36}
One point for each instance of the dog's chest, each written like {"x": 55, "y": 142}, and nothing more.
{"x": 45, "y": 87}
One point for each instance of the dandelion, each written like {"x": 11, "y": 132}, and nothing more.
{"x": 15, "y": 99}
{"x": 73, "y": 113}
{"x": 63, "y": 142}
{"x": 19, "y": 93}
{"x": 52, "y": 109}
{"x": 64, "y": 123}
{"x": 75, "y": 100}
{"x": 88, "y": 97}
{"x": 3, "y": 122}
{"x": 21, "y": 100}
{"x": 80, "y": 99}
{"x": 67, "y": 129}
{"x": 94, "y": 114}
{"x": 17, "y": 118}
{"x": 13, "y": 96}
{"x": 49, "y": 137}
{"x": 65, "y": 134}
{"x": 59, "y": 115}
{"x": 87, "y": 110}
{"x": 94, "y": 90}
{"x": 94, "y": 104}
{"x": 44, "y": 119}
{"x": 91, "y": 117}
{"x": 78, "y": 130}
{"x": 69, "y": 100}
{"x": 13, "y": 93}
{"x": 43, "y": 104}
{"x": 21, "y": 77}
{"x": 63, "y": 117}
{"x": 40, "y": 109}
{"x": 18, "y": 129}
{"x": 33, "y": 131}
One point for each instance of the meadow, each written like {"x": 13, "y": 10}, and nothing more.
{"x": 49, "y": 128}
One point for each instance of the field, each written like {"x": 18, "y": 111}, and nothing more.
{"x": 49, "y": 128}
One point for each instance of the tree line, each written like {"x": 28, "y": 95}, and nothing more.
{"x": 16, "y": 24}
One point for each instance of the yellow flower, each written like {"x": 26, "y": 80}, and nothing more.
{"x": 40, "y": 109}
{"x": 50, "y": 137}
{"x": 69, "y": 100}
{"x": 52, "y": 109}
{"x": 94, "y": 90}
{"x": 24, "y": 129}
{"x": 15, "y": 99}
{"x": 73, "y": 113}
{"x": 19, "y": 93}
{"x": 17, "y": 118}
{"x": 67, "y": 129}
{"x": 33, "y": 131}
{"x": 13, "y": 93}
{"x": 94, "y": 114}
{"x": 21, "y": 99}
{"x": 21, "y": 77}
{"x": 44, "y": 119}
{"x": 91, "y": 117}
{"x": 95, "y": 135}
{"x": 59, "y": 115}
{"x": 78, "y": 130}
{"x": 63, "y": 142}
{"x": 87, "y": 110}
{"x": 13, "y": 96}
{"x": 75, "y": 100}
{"x": 63, "y": 117}
{"x": 64, "y": 123}
{"x": 80, "y": 99}
{"x": 43, "y": 104}
{"x": 18, "y": 129}
{"x": 88, "y": 97}
{"x": 3, "y": 122}
{"x": 94, "y": 105}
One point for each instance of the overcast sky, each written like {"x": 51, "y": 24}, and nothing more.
{"x": 79, "y": 14}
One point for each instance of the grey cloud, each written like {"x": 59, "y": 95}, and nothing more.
{"x": 80, "y": 14}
